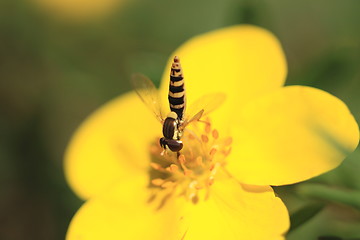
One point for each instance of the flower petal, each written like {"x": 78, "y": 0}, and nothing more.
{"x": 124, "y": 212}
{"x": 234, "y": 211}
{"x": 237, "y": 211}
{"x": 242, "y": 61}
{"x": 112, "y": 144}
{"x": 291, "y": 135}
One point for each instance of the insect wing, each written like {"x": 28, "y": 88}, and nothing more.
{"x": 196, "y": 117}
{"x": 148, "y": 93}
{"x": 203, "y": 106}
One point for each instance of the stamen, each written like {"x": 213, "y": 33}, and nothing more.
{"x": 191, "y": 136}
{"x": 187, "y": 172}
{"x": 157, "y": 181}
{"x": 208, "y": 128}
{"x": 191, "y": 153}
{"x": 195, "y": 199}
{"x": 199, "y": 161}
{"x": 151, "y": 198}
{"x": 211, "y": 180}
{"x": 204, "y": 138}
{"x": 228, "y": 151}
{"x": 215, "y": 134}
{"x": 156, "y": 166}
{"x": 228, "y": 141}
{"x": 182, "y": 160}
{"x": 174, "y": 168}
{"x": 212, "y": 166}
{"x": 167, "y": 184}
{"x": 191, "y": 170}
{"x": 213, "y": 151}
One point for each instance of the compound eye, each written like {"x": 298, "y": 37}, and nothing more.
{"x": 175, "y": 145}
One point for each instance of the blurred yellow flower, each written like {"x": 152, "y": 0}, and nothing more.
{"x": 277, "y": 135}
{"x": 78, "y": 9}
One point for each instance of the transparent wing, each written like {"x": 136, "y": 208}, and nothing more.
{"x": 148, "y": 93}
{"x": 203, "y": 106}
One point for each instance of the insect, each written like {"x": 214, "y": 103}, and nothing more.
{"x": 176, "y": 121}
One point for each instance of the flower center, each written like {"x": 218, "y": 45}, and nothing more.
{"x": 192, "y": 170}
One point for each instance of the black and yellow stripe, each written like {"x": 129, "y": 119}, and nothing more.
{"x": 176, "y": 96}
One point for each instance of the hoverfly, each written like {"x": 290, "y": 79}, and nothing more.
{"x": 176, "y": 121}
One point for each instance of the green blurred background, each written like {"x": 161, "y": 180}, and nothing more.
{"x": 61, "y": 60}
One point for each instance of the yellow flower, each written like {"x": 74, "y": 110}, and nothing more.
{"x": 78, "y": 10}
{"x": 280, "y": 135}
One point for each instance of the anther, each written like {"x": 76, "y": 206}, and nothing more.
{"x": 208, "y": 128}
{"x": 198, "y": 187}
{"x": 157, "y": 181}
{"x": 173, "y": 168}
{"x": 215, "y": 168}
{"x": 194, "y": 198}
{"x": 228, "y": 141}
{"x": 181, "y": 158}
{"x": 215, "y": 134}
{"x": 156, "y": 166}
{"x": 204, "y": 138}
{"x": 199, "y": 161}
{"x": 212, "y": 166}
{"x": 187, "y": 172}
{"x": 211, "y": 180}
{"x": 191, "y": 136}
{"x": 213, "y": 151}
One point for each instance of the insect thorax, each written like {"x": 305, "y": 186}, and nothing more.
{"x": 170, "y": 128}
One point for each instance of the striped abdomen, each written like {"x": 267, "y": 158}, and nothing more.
{"x": 176, "y": 96}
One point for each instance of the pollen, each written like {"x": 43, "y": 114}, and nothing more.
{"x": 191, "y": 172}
